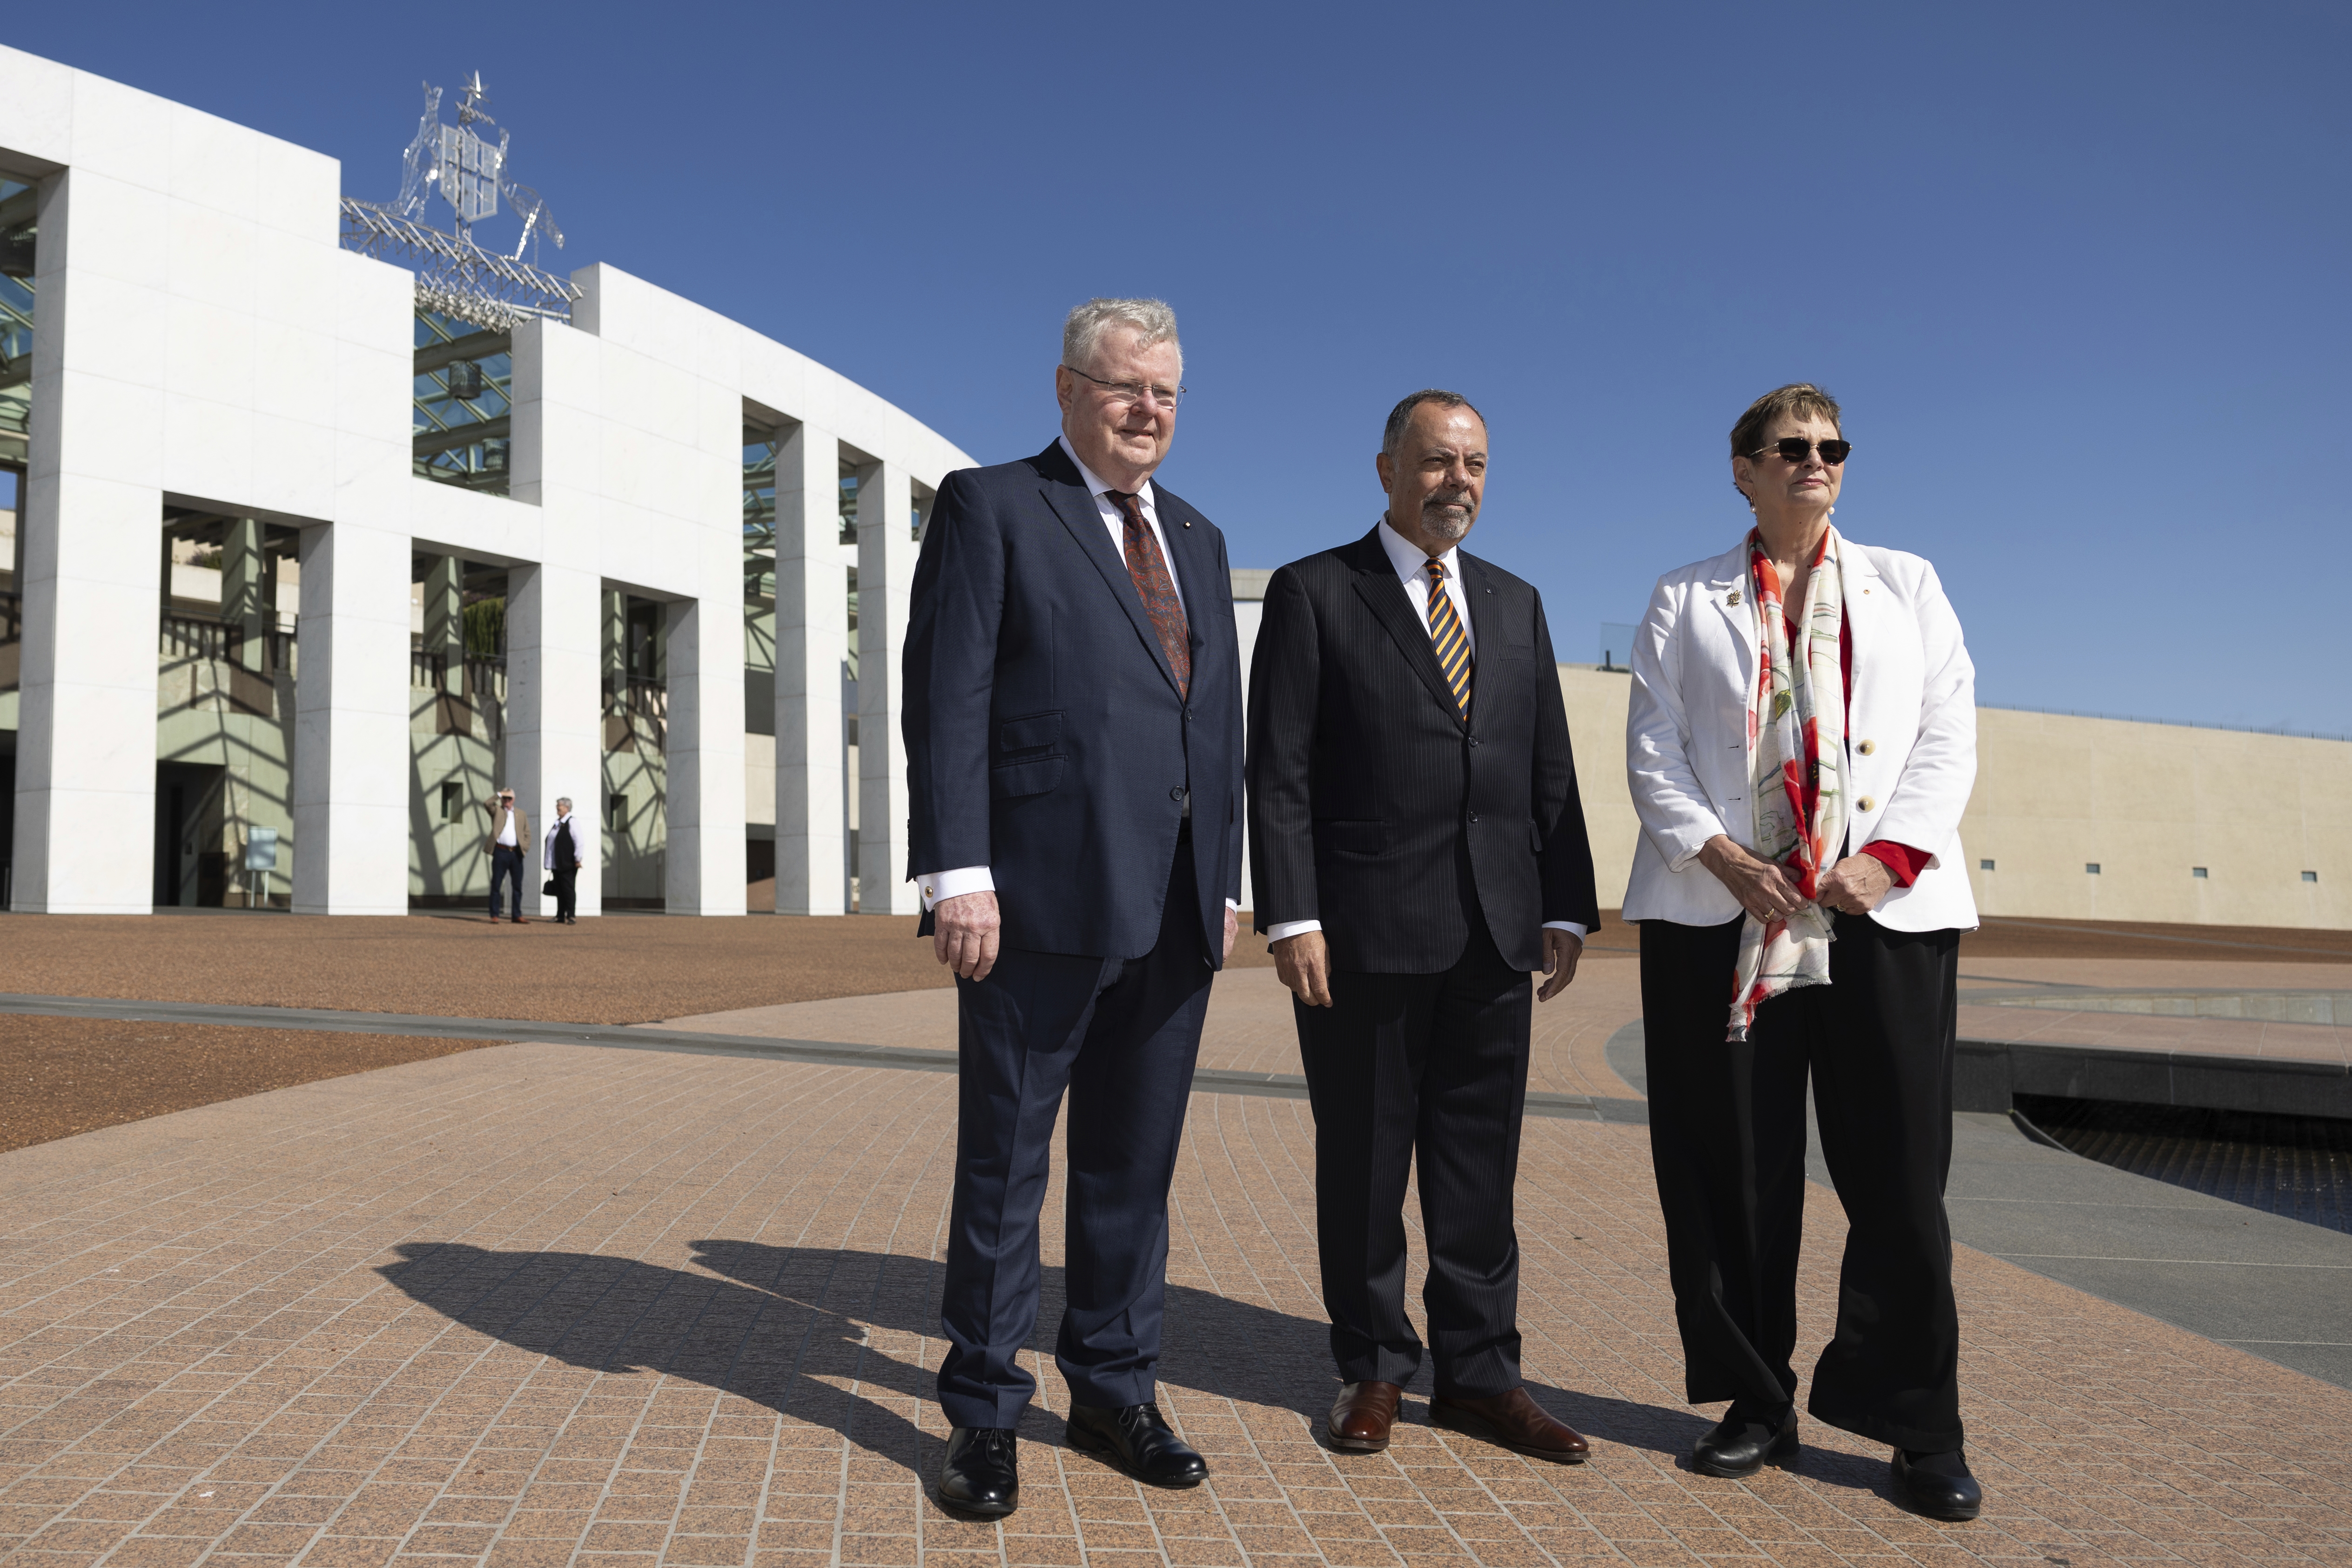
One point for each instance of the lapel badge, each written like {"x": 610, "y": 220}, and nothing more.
{"x": 1735, "y": 597}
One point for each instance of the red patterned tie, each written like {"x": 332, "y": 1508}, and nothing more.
{"x": 1158, "y": 589}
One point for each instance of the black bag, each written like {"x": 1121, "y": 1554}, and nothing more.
{"x": 549, "y": 890}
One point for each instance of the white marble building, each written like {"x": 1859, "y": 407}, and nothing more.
{"x": 204, "y": 345}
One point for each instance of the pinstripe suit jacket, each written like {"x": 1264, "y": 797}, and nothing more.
{"x": 1374, "y": 807}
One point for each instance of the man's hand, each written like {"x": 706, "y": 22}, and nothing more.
{"x": 1857, "y": 884}
{"x": 1561, "y": 950}
{"x": 1304, "y": 964}
{"x": 1232, "y": 930}
{"x": 1765, "y": 890}
{"x": 964, "y": 933}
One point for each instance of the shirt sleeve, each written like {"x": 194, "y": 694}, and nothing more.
{"x": 938, "y": 885}
{"x": 1902, "y": 862}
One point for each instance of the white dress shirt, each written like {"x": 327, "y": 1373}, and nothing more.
{"x": 580, "y": 832}
{"x": 938, "y": 885}
{"x": 507, "y": 827}
{"x": 1412, "y": 564}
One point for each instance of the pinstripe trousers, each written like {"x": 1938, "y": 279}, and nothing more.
{"x": 1430, "y": 1068}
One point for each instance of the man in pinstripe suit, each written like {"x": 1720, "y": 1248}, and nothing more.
{"x": 1418, "y": 849}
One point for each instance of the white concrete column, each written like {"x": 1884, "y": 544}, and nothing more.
{"x": 555, "y": 712}
{"x": 812, "y": 641}
{"x": 93, "y": 512}
{"x": 703, "y": 872}
{"x": 885, "y": 572}
{"x": 351, "y": 757}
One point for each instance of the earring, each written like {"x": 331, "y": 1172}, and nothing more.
{"x": 1832, "y": 511}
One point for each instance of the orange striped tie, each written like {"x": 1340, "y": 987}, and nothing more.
{"x": 1446, "y": 635}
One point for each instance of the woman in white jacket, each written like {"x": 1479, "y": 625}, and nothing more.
{"x": 1800, "y": 743}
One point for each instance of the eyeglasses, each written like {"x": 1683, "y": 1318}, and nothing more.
{"x": 1133, "y": 391}
{"x": 1796, "y": 449}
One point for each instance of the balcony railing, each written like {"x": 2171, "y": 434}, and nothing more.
{"x": 193, "y": 637}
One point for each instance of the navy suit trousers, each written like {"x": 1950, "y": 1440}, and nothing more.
{"x": 1120, "y": 1036}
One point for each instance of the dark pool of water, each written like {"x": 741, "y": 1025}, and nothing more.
{"x": 2299, "y": 1166}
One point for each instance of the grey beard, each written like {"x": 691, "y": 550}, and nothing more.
{"x": 1442, "y": 523}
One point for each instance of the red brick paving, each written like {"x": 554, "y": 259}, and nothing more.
{"x": 546, "y": 1303}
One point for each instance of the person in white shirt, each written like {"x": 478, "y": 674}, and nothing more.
{"x": 564, "y": 853}
{"x": 509, "y": 840}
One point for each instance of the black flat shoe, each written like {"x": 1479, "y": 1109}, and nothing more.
{"x": 1739, "y": 1446}
{"x": 1957, "y": 1498}
{"x": 981, "y": 1471}
{"x": 1136, "y": 1439}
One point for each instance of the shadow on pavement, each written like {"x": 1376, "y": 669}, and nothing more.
{"x": 786, "y": 1327}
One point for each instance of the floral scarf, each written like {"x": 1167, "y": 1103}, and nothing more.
{"x": 1796, "y": 747}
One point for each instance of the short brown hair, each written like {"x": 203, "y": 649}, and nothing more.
{"x": 1800, "y": 399}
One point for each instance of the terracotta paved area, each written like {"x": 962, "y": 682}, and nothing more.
{"x": 1250, "y": 1027}
{"x": 542, "y": 1303}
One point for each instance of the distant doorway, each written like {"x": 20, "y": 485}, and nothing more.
{"x": 191, "y": 866}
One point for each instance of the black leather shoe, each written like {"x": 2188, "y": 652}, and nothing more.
{"x": 1739, "y": 1446}
{"x": 1954, "y": 1498}
{"x": 982, "y": 1472}
{"x": 1136, "y": 1439}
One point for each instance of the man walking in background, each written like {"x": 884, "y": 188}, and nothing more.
{"x": 509, "y": 834}
{"x": 1419, "y": 849}
{"x": 563, "y": 857}
{"x": 1073, "y": 730}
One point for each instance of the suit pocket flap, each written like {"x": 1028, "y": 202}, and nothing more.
{"x": 1025, "y": 778}
{"x": 1336, "y": 837}
{"x": 1029, "y": 734}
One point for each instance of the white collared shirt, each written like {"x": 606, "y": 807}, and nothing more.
{"x": 1412, "y": 564}
{"x": 1116, "y": 519}
{"x": 580, "y": 840}
{"x": 507, "y": 827}
{"x": 938, "y": 885}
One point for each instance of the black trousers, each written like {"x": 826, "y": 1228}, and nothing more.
{"x": 1433, "y": 1069}
{"x": 567, "y": 891}
{"x": 505, "y": 866}
{"x": 1120, "y": 1036}
{"x": 1727, "y": 1131}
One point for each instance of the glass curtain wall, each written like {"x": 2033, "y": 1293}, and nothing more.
{"x": 463, "y": 425}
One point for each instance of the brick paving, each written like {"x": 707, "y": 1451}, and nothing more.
{"x": 542, "y": 1303}
{"x": 1250, "y": 1028}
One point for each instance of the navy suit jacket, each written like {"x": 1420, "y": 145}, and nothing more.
{"x": 1046, "y": 737}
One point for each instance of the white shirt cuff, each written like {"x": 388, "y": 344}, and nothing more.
{"x": 938, "y": 885}
{"x": 1579, "y": 931}
{"x": 1284, "y": 930}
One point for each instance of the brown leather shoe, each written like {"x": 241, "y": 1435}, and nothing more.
{"x": 1516, "y": 1422}
{"x": 1361, "y": 1417}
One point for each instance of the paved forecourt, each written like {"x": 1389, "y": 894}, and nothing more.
{"x": 544, "y": 1303}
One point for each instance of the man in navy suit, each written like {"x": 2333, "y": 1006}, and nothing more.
{"x": 1074, "y": 764}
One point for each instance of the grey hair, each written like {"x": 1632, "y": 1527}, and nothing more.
{"x": 1082, "y": 329}
{"x": 563, "y": 800}
{"x": 1401, "y": 414}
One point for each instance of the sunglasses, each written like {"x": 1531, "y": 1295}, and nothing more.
{"x": 1796, "y": 449}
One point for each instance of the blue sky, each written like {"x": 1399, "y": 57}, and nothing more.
{"x": 2078, "y": 272}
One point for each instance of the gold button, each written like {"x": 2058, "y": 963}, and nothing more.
{"x": 1868, "y": 747}
{"x": 1866, "y": 804}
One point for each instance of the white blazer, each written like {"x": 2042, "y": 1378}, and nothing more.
{"x": 1911, "y": 733}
